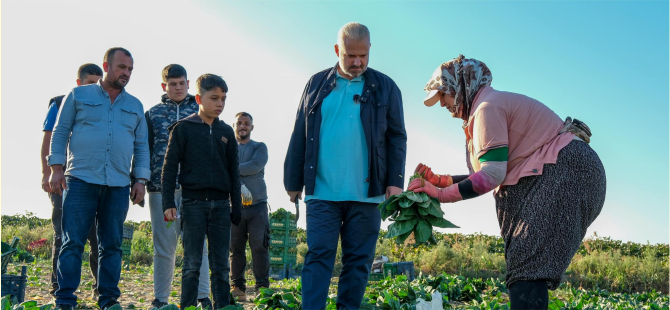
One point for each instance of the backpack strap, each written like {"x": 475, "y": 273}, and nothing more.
{"x": 58, "y": 100}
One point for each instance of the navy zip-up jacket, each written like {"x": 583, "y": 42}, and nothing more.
{"x": 383, "y": 124}
{"x": 206, "y": 158}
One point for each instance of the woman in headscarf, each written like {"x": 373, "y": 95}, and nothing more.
{"x": 549, "y": 185}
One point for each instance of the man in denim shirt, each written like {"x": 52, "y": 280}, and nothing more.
{"x": 106, "y": 128}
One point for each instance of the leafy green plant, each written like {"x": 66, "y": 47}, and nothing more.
{"x": 281, "y": 214}
{"x": 413, "y": 213}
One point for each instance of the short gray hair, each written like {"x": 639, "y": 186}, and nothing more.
{"x": 354, "y": 31}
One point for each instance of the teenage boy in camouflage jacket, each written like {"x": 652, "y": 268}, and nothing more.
{"x": 175, "y": 104}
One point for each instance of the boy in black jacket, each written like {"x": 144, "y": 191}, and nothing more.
{"x": 204, "y": 150}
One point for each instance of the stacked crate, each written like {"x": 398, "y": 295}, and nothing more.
{"x": 400, "y": 268}
{"x": 12, "y": 285}
{"x": 126, "y": 245}
{"x": 392, "y": 270}
{"x": 283, "y": 244}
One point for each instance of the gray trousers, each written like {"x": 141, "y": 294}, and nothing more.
{"x": 255, "y": 228}
{"x": 165, "y": 245}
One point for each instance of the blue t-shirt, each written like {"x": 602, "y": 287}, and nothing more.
{"x": 50, "y": 120}
{"x": 342, "y": 166}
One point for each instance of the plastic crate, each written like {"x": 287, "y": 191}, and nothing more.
{"x": 286, "y": 223}
{"x": 276, "y": 250}
{"x": 283, "y": 258}
{"x": 126, "y": 246}
{"x": 15, "y": 286}
{"x": 400, "y": 268}
{"x": 390, "y": 269}
{"x": 407, "y": 269}
{"x": 8, "y": 251}
{"x": 278, "y": 272}
{"x": 375, "y": 277}
{"x": 128, "y": 230}
{"x": 279, "y": 240}
{"x": 293, "y": 273}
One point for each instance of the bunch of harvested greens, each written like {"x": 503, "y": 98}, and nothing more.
{"x": 413, "y": 212}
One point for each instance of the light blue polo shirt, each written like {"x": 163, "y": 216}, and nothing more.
{"x": 342, "y": 166}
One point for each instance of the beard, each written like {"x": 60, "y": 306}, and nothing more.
{"x": 356, "y": 74}
{"x": 119, "y": 84}
{"x": 242, "y": 137}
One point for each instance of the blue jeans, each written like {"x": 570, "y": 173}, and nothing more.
{"x": 358, "y": 224}
{"x": 200, "y": 218}
{"x": 83, "y": 205}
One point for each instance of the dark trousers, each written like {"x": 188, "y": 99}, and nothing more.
{"x": 254, "y": 227}
{"x": 200, "y": 218}
{"x": 525, "y": 295}
{"x": 358, "y": 224}
{"x": 56, "y": 216}
{"x": 84, "y": 204}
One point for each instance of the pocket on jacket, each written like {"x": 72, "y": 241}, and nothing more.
{"x": 222, "y": 145}
{"x": 381, "y": 108}
{"x": 129, "y": 118}
{"x": 382, "y": 168}
{"x": 92, "y": 111}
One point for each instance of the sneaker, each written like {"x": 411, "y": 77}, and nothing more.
{"x": 239, "y": 294}
{"x": 158, "y": 304}
{"x": 53, "y": 290}
{"x": 63, "y": 307}
{"x": 205, "y": 303}
{"x": 111, "y": 305}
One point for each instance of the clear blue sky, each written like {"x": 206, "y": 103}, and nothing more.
{"x": 605, "y": 63}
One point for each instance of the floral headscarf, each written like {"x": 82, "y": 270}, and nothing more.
{"x": 461, "y": 78}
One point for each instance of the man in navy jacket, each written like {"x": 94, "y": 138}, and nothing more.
{"x": 348, "y": 151}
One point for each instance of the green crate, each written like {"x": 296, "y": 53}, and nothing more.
{"x": 126, "y": 246}
{"x": 375, "y": 277}
{"x": 399, "y": 268}
{"x": 8, "y": 251}
{"x": 278, "y": 240}
{"x": 390, "y": 269}
{"x": 283, "y": 258}
{"x": 286, "y": 223}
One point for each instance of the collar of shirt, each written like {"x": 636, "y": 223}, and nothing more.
{"x": 102, "y": 89}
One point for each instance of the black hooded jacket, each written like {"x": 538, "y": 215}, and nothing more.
{"x": 205, "y": 157}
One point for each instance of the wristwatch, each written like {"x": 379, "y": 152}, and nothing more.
{"x": 141, "y": 181}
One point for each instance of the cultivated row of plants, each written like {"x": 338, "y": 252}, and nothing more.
{"x": 600, "y": 263}
{"x": 458, "y": 293}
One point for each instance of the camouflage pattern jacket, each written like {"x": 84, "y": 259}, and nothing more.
{"x": 159, "y": 118}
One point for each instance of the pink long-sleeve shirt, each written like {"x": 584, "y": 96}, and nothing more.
{"x": 526, "y": 126}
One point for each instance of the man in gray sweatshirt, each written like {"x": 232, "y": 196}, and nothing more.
{"x": 255, "y": 225}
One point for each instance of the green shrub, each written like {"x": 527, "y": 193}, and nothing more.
{"x": 613, "y": 271}
{"x": 28, "y": 235}
{"x": 142, "y": 251}
{"x": 302, "y": 251}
